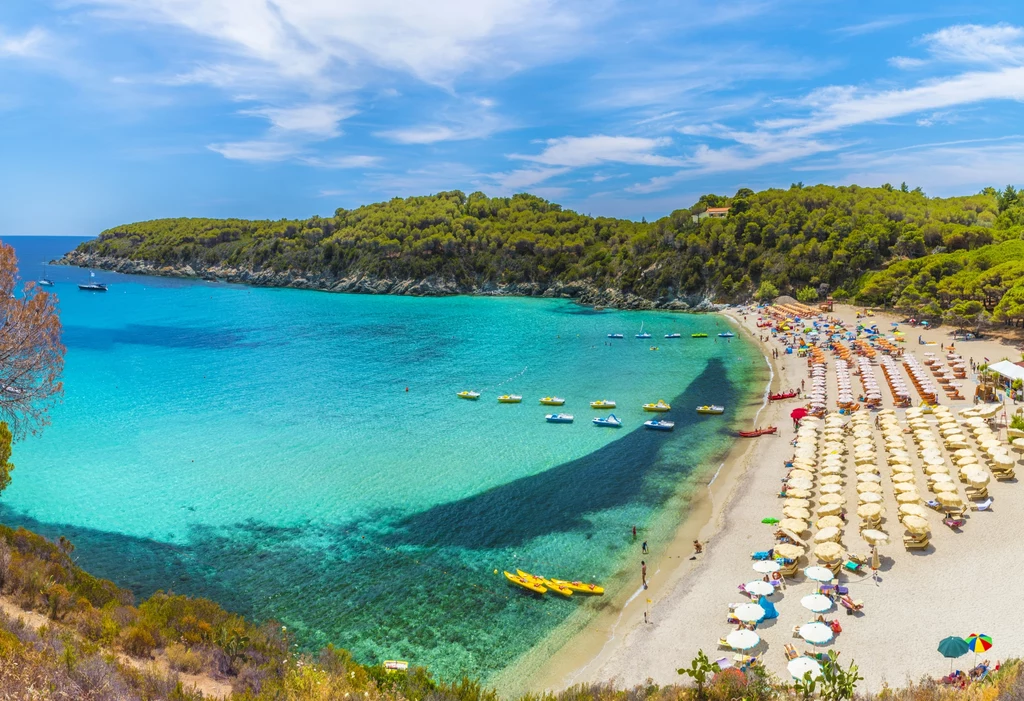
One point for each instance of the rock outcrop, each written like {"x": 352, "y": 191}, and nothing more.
{"x": 582, "y": 292}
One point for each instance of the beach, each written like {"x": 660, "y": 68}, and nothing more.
{"x": 963, "y": 584}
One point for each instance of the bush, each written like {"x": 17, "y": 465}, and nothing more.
{"x": 183, "y": 659}
{"x": 138, "y": 640}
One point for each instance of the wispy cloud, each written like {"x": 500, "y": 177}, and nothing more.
{"x": 31, "y": 44}
{"x": 576, "y": 152}
{"x": 256, "y": 151}
{"x": 474, "y": 118}
{"x": 906, "y": 62}
{"x": 1000, "y": 44}
{"x": 341, "y": 162}
{"x": 314, "y": 120}
{"x": 875, "y": 25}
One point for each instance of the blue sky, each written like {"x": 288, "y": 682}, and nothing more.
{"x": 120, "y": 110}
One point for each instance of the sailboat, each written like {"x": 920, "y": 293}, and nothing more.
{"x": 92, "y": 285}
{"x": 43, "y": 280}
{"x": 642, "y": 334}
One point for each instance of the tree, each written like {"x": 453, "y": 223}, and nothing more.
{"x": 31, "y": 352}
{"x": 903, "y": 187}
{"x": 766, "y": 292}
{"x": 5, "y": 455}
{"x": 964, "y": 313}
{"x": 701, "y": 670}
{"x": 807, "y": 295}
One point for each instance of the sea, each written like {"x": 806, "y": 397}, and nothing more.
{"x": 302, "y": 457}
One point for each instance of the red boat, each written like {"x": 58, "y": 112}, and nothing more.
{"x": 782, "y": 395}
{"x": 759, "y": 432}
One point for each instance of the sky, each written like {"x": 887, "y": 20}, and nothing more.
{"x": 114, "y": 111}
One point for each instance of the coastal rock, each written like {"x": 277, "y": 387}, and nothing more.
{"x": 585, "y": 292}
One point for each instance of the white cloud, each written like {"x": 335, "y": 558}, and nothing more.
{"x": 906, "y": 62}
{"x": 317, "y": 41}
{"x": 577, "y": 152}
{"x": 523, "y": 179}
{"x": 874, "y": 25}
{"x": 315, "y": 120}
{"x": 29, "y": 45}
{"x": 256, "y": 151}
{"x": 1001, "y": 44}
{"x": 341, "y": 161}
{"x": 472, "y": 118}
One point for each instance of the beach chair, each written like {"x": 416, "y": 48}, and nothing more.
{"x": 722, "y": 643}
{"x": 796, "y": 631}
{"x": 954, "y": 523}
{"x": 913, "y": 544}
{"x": 932, "y": 504}
{"x": 851, "y": 604}
{"x": 851, "y": 566}
{"x": 761, "y": 555}
{"x": 983, "y": 506}
{"x": 743, "y": 660}
{"x": 791, "y": 653}
{"x": 723, "y": 663}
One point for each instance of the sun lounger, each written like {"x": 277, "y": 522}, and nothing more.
{"x": 851, "y": 566}
{"x": 796, "y": 631}
{"x": 722, "y": 643}
{"x": 761, "y": 555}
{"x": 983, "y": 506}
{"x": 791, "y": 653}
{"x": 912, "y": 544}
{"x": 954, "y": 523}
{"x": 723, "y": 662}
{"x": 932, "y": 504}
{"x": 850, "y": 603}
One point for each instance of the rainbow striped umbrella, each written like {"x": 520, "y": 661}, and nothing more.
{"x": 978, "y": 642}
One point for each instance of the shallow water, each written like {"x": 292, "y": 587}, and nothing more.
{"x": 259, "y": 447}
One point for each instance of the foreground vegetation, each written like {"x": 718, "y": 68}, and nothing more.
{"x": 804, "y": 241}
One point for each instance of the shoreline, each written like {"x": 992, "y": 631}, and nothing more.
{"x": 705, "y": 506}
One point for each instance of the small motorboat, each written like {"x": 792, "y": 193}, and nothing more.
{"x": 615, "y": 335}
{"x": 782, "y": 395}
{"x": 659, "y": 425}
{"x": 698, "y": 335}
{"x": 552, "y": 401}
{"x": 510, "y": 399}
{"x": 643, "y": 335}
{"x": 727, "y": 334}
{"x": 525, "y": 583}
{"x": 673, "y": 335}
{"x": 759, "y": 432}
{"x": 711, "y": 409}
{"x": 559, "y": 418}
{"x": 660, "y": 405}
{"x": 609, "y": 421}
{"x": 468, "y": 394}
{"x": 92, "y": 285}
{"x": 602, "y": 404}
{"x": 581, "y": 587}
{"x": 44, "y": 282}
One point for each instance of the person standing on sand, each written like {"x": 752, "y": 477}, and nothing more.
{"x": 643, "y": 573}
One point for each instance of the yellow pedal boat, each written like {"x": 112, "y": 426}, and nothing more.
{"x": 660, "y": 405}
{"x": 468, "y": 394}
{"x": 525, "y": 583}
{"x": 581, "y": 587}
{"x": 510, "y": 399}
{"x": 602, "y": 404}
{"x": 544, "y": 582}
{"x": 552, "y": 401}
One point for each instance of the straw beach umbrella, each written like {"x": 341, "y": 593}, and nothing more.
{"x": 797, "y": 513}
{"x": 865, "y": 487}
{"x": 908, "y": 498}
{"x": 799, "y": 493}
{"x": 801, "y": 474}
{"x": 869, "y": 477}
{"x": 875, "y": 537}
{"x": 830, "y": 522}
{"x": 900, "y": 477}
{"x": 800, "y": 483}
{"x": 913, "y": 510}
{"x": 793, "y": 524}
{"x": 830, "y": 509}
{"x": 828, "y": 552}
{"x": 915, "y": 524}
{"x": 833, "y": 499}
{"x": 904, "y": 487}
{"x": 789, "y": 551}
{"x": 832, "y": 479}
{"x": 869, "y": 498}
{"x": 831, "y": 489}
{"x": 797, "y": 503}
{"x": 826, "y": 535}
{"x": 869, "y": 511}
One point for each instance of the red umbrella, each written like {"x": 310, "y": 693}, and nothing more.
{"x": 798, "y": 413}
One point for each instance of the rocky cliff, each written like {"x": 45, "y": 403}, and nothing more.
{"x": 582, "y": 292}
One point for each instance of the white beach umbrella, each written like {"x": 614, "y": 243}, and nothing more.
{"x": 865, "y": 469}
{"x": 766, "y": 566}
{"x": 816, "y": 603}
{"x": 759, "y": 587}
{"x": 831, "y": 470}
{"x": 749, "y": 613}
{"x": 743, "y": 639}
{"x": 816, "y": 633}
{"x": 832, "y": 479}
{"x": 869, "y": 477}
{"x": 818, "y": 574}
{"x": 831, "y": 489}
{"x": 800, "y": 483}
{"x": 875, "y": 537}
{"x": 801, "y": 666}
{"x": 799, "y": 493}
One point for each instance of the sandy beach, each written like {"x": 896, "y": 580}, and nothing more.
{"x": 964, "y": 583}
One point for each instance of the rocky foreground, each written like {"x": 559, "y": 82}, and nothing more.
{"x": 367, "y": 284}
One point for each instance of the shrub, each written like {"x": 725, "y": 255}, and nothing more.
{"x": 138, "y": 640}
{"x": 183, "y": 659}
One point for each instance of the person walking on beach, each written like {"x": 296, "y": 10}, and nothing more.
{"x": 643, "y": 573}
{"x": 643, "y": 548}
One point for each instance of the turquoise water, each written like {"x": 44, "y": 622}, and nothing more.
{"x": 259, "y": 447}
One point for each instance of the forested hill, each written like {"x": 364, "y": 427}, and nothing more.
{"x": 802, "y": 240}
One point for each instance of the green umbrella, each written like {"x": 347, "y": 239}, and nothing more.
{"x": 953, "y": 647}
{"x": 770, "y": 521}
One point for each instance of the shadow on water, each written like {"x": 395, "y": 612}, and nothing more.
{"x": 558, "y": 500}
{"x": 419, "y": 587}
{"x": 91, "y": 338}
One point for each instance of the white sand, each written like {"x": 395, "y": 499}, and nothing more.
{"x": 967, "y": 582}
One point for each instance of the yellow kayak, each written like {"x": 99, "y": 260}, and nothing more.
{"x": 660, "y": 405}
{"x": 552, "y": 401}
{"x": 510, "y": 399}
{"x": 541, "y": 581}
{"x": 602, "y": 404}
{"x": 526, "y": 583}
{"x": 581, "y": 587}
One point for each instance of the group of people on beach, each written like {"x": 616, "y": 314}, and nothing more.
{"x": 698, "y": 548}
